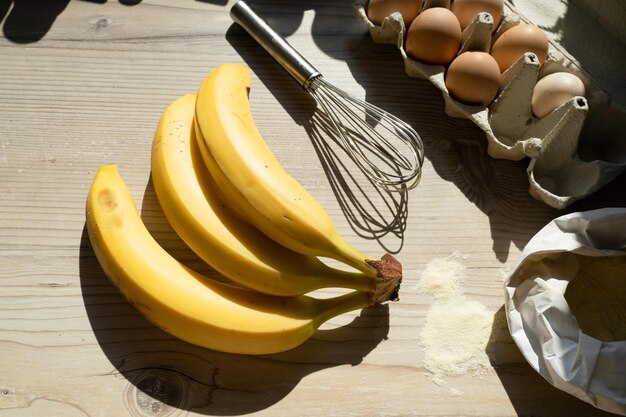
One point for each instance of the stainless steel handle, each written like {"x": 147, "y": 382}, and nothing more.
{"x": 290, "y": 59}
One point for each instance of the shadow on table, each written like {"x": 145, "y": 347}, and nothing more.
{"x": 166, "y": 373}
{"x": 456, "y": 148}
{"x": 529, "y": 392}
{"x": 28, "y": 21}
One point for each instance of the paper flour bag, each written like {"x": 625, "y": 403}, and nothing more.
{"x": 566, "y": 306}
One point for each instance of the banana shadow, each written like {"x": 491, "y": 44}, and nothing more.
{"x": 28, "y": 21}
{"x": 529, "y": 393}
{"x": 165, "y": 373}
{"x": 456, "y": 148}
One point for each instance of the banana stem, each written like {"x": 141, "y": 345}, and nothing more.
{"x": 327, "y": 308}
{"x": 386, "y": 272}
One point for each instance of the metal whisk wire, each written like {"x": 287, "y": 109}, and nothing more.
{"x": 370, "y": 135}
{"x": 387, "y": 164}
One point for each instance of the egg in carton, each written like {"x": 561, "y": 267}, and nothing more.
{"x": 571, "y": 155}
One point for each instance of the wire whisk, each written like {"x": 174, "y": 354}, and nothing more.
{"x": 388, "y": 150}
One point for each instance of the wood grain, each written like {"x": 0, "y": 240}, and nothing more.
{"x": 90, "y": 91}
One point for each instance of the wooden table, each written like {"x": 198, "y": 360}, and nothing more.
{"x": 84, "y": 83}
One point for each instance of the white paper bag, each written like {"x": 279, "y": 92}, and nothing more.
{"x": 540, "y": 319}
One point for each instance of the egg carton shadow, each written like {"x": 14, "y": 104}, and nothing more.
{"x": 567, "y": 161}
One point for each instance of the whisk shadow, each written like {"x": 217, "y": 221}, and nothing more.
{"x": 456, "y": 148}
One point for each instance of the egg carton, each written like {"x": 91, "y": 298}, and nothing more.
{"x": 562, "y": 167}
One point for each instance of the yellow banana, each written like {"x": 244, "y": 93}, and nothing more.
{"x": 254, "y": 182}
{"x": 233, "y": 247}
{"x": 186, "y": 304}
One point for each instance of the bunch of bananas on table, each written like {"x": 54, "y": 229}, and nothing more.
{"x": 232, "y": 203}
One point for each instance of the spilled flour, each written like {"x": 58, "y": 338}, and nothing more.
{"x": 457, "y": 328}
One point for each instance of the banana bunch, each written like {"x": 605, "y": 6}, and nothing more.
{"x": 228, "y": 198}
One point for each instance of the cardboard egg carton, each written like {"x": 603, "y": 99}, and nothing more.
{"x": 562, "y": 167}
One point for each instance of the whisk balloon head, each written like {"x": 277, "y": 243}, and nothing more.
{"x": 388, "y": 150}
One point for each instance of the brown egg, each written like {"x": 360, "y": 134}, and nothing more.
{"x": 473, "y": 78}
{"x": 467, "y": 10}
{"x": 377, "y": 10}
{"x": 518, "y": 40}
{"x": 434, "y": 37}
{"x": 554, "y": 90}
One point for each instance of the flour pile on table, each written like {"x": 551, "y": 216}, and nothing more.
{"x": 457, "y": 328}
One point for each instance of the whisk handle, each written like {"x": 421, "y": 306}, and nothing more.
{"x": 290, "y": 59}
